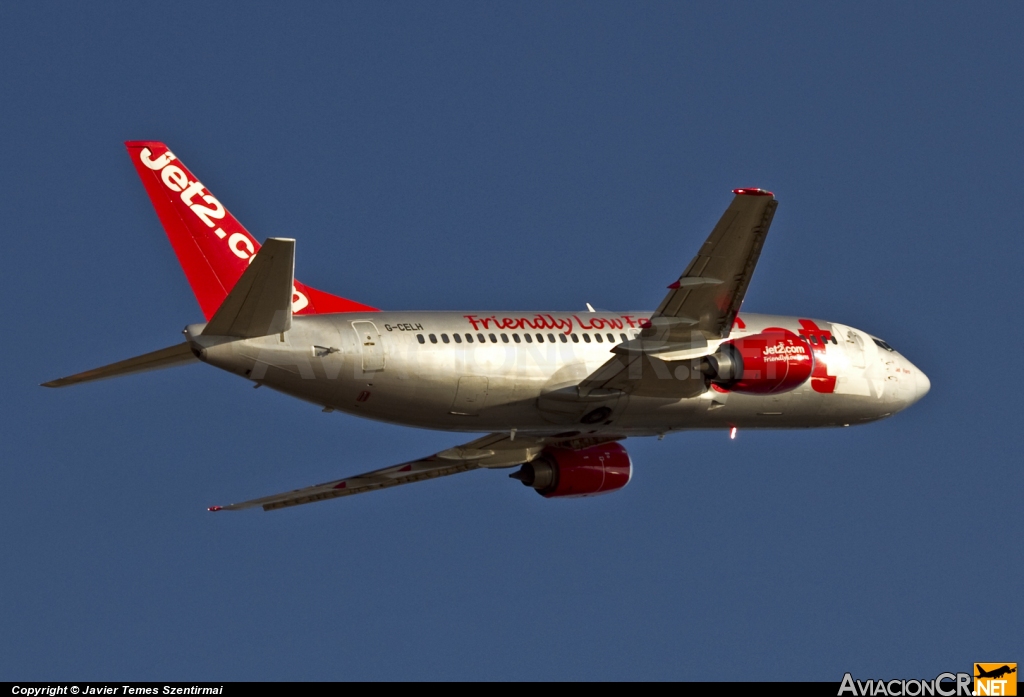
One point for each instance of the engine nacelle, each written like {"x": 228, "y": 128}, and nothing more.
{"x": 559, "y": 472}
{"x": 776, "y": 360}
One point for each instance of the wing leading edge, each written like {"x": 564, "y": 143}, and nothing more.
{"x": 406, "y": 473}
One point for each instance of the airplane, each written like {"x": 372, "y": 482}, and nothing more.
{"x": 995, "y": 673}
{"x": 554, "y": 393}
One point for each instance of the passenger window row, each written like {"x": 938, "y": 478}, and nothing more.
{"x": 529, "y": 338}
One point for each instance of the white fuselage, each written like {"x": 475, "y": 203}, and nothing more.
{"x": 488, "y": 372}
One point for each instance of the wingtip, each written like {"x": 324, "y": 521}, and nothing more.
{"x": 752, "y": 191}
{"x": 215, "y": 508}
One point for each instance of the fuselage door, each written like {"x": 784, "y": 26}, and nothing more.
{"x": 370, "y": 346}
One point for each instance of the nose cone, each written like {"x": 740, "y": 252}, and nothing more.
{"x": 920, "y": 385}
{"x": 923, "y": 383}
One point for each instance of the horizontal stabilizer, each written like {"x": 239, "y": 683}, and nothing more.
{"x": 260, "y": 304}
{"x": 164, "y": 358}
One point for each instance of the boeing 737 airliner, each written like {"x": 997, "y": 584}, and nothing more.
{"x": 554, "y": 393}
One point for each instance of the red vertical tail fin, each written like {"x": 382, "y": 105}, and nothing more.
{"x": 214, "y": 249}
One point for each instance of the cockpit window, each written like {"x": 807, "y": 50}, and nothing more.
{"x": 882, "y": 344}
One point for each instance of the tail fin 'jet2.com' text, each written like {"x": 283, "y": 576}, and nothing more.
{"x": 554, "y": 393}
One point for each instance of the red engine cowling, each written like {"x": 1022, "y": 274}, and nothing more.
{"x": 776, "y": 360}
{"x": 559, "y": 472}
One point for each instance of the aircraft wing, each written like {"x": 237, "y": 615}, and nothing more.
{"x": 493, "y": 450}
{"x": 708, "y": 295}
{"x": 700, "y": 307}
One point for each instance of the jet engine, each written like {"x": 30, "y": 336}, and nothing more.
{"x": 559, "y": 472}
{"x": 776, "y": 360}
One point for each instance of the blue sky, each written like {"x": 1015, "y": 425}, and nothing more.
{"x": 510, "y": 156}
